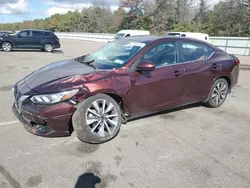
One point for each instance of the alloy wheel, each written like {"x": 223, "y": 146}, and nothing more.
{"x": 6, "y": 46}
{"x": 48, "y": 47}
{"x": 102, "y": 118}
{"x": 219, "y": 93}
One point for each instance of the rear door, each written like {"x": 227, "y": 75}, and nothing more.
{"x": 37, "y": 37}
{"x": 161, "y": 88}
{"x": 200, "y": 69}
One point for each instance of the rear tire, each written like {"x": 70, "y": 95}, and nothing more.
{"x": 6, "y": 46}
{"x": 97, "y": 119}
{"x": 48, "y": 47}
{"x": 218, "y": 93}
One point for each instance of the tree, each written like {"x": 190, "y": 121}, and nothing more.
{"x": 164, "y": 16}
{"x": 135, "y": 6}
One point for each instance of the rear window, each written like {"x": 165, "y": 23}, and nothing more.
{"x": 47, "y": 34}
{"x": 36, "y": 33}
{"x": 193, "y": 51}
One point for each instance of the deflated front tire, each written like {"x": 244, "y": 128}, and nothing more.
{"x": 97, "y": 119}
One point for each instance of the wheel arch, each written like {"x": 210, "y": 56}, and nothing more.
{"x": 229, "y": 81}
{"x": 227, "y": 78}
{"x": 47, "y": 42}
{"x": 118, "y": 98}
{"x": 13, "y": 45}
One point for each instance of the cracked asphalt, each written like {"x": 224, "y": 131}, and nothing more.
{"x": 190, "y": 147}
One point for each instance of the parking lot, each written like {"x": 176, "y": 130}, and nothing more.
{"x": 189, "y": 147}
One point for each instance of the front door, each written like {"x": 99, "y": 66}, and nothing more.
{"x": 23, "y": 39}
{"x": 160, "y": 88}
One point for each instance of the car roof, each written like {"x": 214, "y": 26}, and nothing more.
{"x": 41, "y": 30}
{"x": 153, "y": 38}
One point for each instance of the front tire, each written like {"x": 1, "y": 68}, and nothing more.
{"x": 6, "y": 46}
{"x": 97, "y": 119}
{"x": 218, "y": 93}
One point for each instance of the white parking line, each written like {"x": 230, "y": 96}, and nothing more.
{"x": 8, "y": 123}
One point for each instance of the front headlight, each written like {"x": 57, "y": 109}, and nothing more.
{"x": 1, "y": 38}
{"x": 54, "y": 98}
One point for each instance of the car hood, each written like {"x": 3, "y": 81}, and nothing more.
{"x": 59, "y": 76}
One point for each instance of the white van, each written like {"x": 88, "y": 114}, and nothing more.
{"x": 128, "y": 33}
{"x": 200, "y": 36}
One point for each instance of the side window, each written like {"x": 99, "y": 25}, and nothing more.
{"x": 36, "y": 33}
{"x": 128, "y": 35}
{"x": 25, "y": 34}
{"x": 183, "y": 35}
{"x": 195, "y": 51}
{"x": 47, "y": 34}
{"x": 162, "y": 55}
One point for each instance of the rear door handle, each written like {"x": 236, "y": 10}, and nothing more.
{"x": 214, "y": 66}
{"x": 177, "y": 73}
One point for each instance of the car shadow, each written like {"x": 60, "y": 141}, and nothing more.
{"x": 34, "y": 50}
{"x": 87, "y": 180}
{"x": 169, "y": 111}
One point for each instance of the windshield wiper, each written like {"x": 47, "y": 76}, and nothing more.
{"x": 89, "y": 63}
{"x": 81, "y": 60}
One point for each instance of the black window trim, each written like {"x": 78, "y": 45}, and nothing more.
{"x": 194, "y": 61}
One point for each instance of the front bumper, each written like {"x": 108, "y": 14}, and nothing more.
{"x": 46, "y": 121}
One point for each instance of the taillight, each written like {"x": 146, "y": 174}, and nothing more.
{"x": 237, "y": 61}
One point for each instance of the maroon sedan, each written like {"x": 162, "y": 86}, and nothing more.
{"x": 128, "y": 78}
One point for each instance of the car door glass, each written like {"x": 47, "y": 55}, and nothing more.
{"x": 36, "y": 33}
{"x": 47, "y": 34}
{"x": 25, "y": 34}
{"x": 195, "y": 51}
{"x": 162, "y": 55}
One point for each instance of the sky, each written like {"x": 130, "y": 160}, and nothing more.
{"x": 20, "y": 10}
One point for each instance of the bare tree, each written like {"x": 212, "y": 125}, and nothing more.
{"x": 135, "y": 6}
{"x": 183, "y": 9}
{"x": 164, "y": 16}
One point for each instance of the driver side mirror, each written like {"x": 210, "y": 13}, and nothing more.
{"x": 146, "y": 66}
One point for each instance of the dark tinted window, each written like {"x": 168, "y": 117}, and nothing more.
{"x": 36, "y": 33}
{"x": 128, "y": 35}
{"x": 183, "y": 35}
{"x": 195, "y": 51}
{"x": 25, "y": 34}
{"x": 47, "y": 34}
{"x": 163, "y": 54}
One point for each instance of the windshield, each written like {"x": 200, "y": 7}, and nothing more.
{"x": 119, "y": 35}
{"x": 115, "y": 54}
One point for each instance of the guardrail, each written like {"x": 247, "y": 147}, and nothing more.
{"x": 232, "y": 45}
{"x": 99, "y": 37}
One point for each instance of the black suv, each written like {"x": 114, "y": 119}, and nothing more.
{"x": 30, "y": 39}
